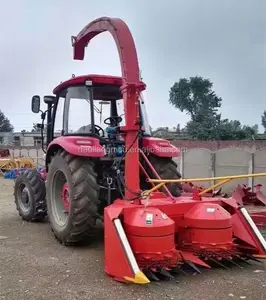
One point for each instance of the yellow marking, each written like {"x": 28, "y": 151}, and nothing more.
{"x": 207, "y": 178}
{"x": 259, "y": 256}
{"x": 156, "y": 187}
{"x": 214, "y": 186}
{"x": 162, "y": 182}
{"x": 139, "y": 278}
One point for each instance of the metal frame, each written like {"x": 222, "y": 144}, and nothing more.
{"x": 224, "y": 179}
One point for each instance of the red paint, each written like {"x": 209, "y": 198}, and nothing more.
{"x": 131, "y": 86}
{"x": 180, "y": 230}
{"x": 152, "y": 241}
{"x": 145, "y": 173}
{"x": 259, "y": 218}
{"x": 155, "y": 173}
{"x": 107, "y": 83}
{"x": 43, "y": 174}
{"x": 113, "y": 248}
{"x": 76, "y": 145}
{"x": 254, "y": 201}
{"x": 160, "y": 147}
{"x": 65, "y": 197}
{"x": 208, "y": 227}
{"x": 96, "y": 79}
{"x": 198, "y": 233}
{"x": 4, "y": 153}
{"x": 207, "y": 216}
{"x": 256, "y": 198}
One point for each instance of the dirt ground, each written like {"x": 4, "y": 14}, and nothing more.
{"x": 33, "y": 265}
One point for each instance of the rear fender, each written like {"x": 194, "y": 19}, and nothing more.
{"x": 160, "y": 147}
{"x": 75, "y": 145}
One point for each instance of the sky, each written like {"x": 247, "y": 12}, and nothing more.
{"x": 221, "y": 40}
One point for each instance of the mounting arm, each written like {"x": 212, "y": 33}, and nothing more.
{"x": 131, "y": 87}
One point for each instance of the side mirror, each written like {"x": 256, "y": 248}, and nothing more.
{"x": 35, "y": 104}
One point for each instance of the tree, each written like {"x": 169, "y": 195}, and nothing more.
{"x": 196, "y": 97}
{"x": 263, "y": 120}
{"x": 5, "y": 125}
{"x": 256, "y": 128}
{"x": 234, "y": 130}
{"x": 178, "y": 129}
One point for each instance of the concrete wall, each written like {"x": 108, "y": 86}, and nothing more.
{"x": 201, "y": 162}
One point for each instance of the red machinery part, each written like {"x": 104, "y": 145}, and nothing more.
{"x": 80, "y": 146}
{"x": 116, "y": 245}
{"x": 4, "y": 153}
{"x": 207, "y": 230}
{"x": 254, "y": 202}
{"x": 151, "y": 235}
{"x": 65, "y": 197}
{"x": 206, "y": 227}
{"x": 126, "y": 227}
{"x": 160, "y": 147}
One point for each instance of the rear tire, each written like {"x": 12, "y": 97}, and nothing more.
{"x": 166, "y": 169}
{"x": 80, "y": 222}
{"x": 29, "y": 194}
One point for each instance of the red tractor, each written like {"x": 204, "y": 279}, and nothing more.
{"x": 99, "y": 177}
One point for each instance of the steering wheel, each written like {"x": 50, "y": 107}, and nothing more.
{"x": 99, "y": 130}
{"x": 117, "y": 119}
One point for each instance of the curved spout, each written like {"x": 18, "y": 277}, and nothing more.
{"x": 131, "y": 88}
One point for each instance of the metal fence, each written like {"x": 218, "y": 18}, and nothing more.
{"x": 200, "y": 162}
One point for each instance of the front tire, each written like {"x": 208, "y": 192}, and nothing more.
{"x": 29, "y": 194}
{"x": 77, "y": 221}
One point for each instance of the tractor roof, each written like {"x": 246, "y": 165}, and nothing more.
{"x": 96, "y": 79}
{"x": 107, "y": 87}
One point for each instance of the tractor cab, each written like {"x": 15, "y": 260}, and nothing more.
{"x": 90, "y": 105}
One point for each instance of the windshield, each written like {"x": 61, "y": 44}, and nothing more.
{"x": 77, "y": 111}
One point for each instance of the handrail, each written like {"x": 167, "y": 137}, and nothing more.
{"x": 207, "y": 178}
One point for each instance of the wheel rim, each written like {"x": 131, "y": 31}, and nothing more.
{"x": 23, "y": 197}
{"x": 60, "y": 198}
{"x": 65, "y": 197}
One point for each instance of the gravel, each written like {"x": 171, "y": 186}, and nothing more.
{"x": 34, "y": 266}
